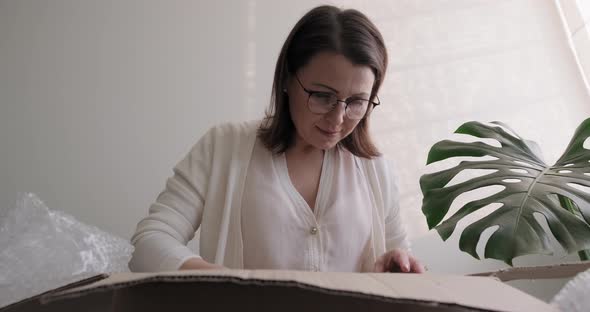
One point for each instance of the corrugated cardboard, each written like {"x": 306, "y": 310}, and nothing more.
{"x": 563, "y": 270}
{"x": 261, "y": 290}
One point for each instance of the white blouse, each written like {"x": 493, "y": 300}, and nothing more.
{"x": 281, "y": 231}
{"x": 269, "y": 224}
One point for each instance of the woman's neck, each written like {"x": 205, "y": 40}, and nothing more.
{"x": 300, "y": 148}
{"x": 303, "y": 148}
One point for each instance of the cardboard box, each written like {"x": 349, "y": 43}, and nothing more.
{"x": 563, "y": 270}
{"x": 242, "y": 290}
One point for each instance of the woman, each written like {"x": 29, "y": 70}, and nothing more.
{"x": 305, "y": 189}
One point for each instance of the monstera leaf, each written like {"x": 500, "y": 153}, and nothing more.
{"x": 531, "y": 187}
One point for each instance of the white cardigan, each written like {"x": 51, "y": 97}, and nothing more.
{"x": 206, "y": 192}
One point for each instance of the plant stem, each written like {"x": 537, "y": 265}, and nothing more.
{"x": 573, "y": 208}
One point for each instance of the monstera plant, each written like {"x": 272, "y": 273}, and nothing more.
{"x": 530, "y": 187}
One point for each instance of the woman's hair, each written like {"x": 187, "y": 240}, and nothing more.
{"x": 324, "y": 29}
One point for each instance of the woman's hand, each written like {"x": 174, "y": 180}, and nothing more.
{"x": 200, "y": 264}
{"x": 398, "y": 260}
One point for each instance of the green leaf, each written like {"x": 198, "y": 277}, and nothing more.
{"x": 518, "y": 232}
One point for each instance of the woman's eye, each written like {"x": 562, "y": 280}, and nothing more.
{"x": 323, "y": 98}
{"x": 357, "y": 102}
{"x": 323, "y": 95}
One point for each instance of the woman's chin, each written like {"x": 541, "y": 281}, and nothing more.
{"x": 324, "y": 141}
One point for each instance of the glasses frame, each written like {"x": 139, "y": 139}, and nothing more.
{"x": 346, "y": 102}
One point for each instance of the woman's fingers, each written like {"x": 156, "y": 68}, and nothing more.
{"x": 393, "y": 261}
{"x": 417, "y": 267}
{"x": 400, "y": 259}
{"x": 380, "y": 264}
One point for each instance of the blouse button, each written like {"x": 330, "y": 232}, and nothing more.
{"x": 313, "y": 231}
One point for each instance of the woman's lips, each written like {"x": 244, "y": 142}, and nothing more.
{"x": 328, "y": 133}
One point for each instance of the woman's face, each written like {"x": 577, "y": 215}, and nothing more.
{"x": 333, "y": 73}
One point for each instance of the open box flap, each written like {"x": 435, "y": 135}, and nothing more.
{"x": 469, "y": 291}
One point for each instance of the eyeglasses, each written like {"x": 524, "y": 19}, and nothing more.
{"x": 319, "y": 102}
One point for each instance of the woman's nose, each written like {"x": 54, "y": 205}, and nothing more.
{"x": 336, "y": 115}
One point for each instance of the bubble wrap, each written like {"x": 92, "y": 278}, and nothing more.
{"x": 575, "y": 295}
{"x": 41, "y": 249}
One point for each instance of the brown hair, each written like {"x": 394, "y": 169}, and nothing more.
{"x": 324, "y": 28}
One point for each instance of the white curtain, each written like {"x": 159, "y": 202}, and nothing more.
{"x": 575, "y": 15}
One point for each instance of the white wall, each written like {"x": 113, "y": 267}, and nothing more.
{"x": 99, "y": 99}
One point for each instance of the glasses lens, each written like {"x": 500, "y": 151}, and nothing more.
{"x": 321, "y": 103}
{"x": 357, "y": 109}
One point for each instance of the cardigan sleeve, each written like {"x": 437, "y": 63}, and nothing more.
{"x": 395, "y": 229}
{"x": 161, "y": 238}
